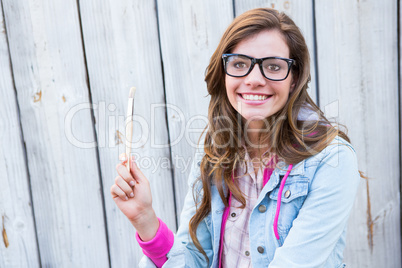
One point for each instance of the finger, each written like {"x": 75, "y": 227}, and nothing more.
{"x": 136, "y": 172}
{"x": 119, "y": 181}
{"x": 123, "y": 158}
{"x": 123, "y": 172}
{"x": 117, "y": 192}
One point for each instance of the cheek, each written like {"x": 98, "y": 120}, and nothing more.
{"x": 286, "y": 87}
{"x": 230, "y": 87}
{"x": 282, "y": 93}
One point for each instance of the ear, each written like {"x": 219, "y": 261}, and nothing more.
{"x": 293, "y": 84}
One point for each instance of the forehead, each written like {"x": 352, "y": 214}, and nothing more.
{"x": 267, "y": 43}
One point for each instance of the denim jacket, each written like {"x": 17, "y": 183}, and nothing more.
{"x": 312, "y": 220}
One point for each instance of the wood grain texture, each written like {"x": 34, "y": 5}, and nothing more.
{"x": 122, "y": 50}
{"x": 301, "y": 13}
{"x": 51, "y": 96}
{"x": 357, "y": 48}
{"x": 49, "y": 71}
{"x": 16, "y": 217}
{"x": 190, "y": 32}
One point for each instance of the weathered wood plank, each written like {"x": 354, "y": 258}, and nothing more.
{"x": 190, "y": 32}
{"x": 400, "y": 109}
{"x": 357, "y": 48}
{"x": 49, "y": 71}
{"x": 16, "y": 217}
{"x": 302, "y": 14}
{"x": 358, "y": 84}
{"x": 122, "y": 50}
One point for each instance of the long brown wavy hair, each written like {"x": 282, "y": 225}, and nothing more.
{"x": 290, "y": 138}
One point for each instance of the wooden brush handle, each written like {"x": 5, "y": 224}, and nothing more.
{"x": 129, "y": 131}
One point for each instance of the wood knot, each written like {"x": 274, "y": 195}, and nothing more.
{"x": 38, "y": 96}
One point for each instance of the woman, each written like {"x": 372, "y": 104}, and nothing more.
{"x": 276, "y": 182}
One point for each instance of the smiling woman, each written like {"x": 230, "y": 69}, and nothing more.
{"x": 258, "y": 93}
{"x": 258, "y": 203}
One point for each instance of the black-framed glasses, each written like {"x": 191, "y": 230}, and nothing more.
{"x": 272, "y": 68}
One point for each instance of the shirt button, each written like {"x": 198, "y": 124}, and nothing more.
{"x": 247, "y": 253}
{"x": 260, "y": 249}
{"x": 233, "y": 214}
{"x": 287, "y": 194}
{"x": 262, "y": 208}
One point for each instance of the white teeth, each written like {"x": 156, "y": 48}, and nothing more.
{"x": 254, "y": 97}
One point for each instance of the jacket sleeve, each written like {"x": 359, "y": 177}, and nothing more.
{"x": 325, "y": 211}
{"x": 183, "y": 252}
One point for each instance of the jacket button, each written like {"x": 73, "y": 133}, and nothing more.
{"x": 262, "y": 208}
{"x": 247, "y": 253}
{"x": 287, "y": 194}
{"x": 260, "y": 249}
{"x": 233, "y": 214}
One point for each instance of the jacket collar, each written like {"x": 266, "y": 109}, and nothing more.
{"x": 298, "y": 169}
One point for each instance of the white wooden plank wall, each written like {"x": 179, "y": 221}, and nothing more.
{"x": 49, "y": 75}
{"x": 16, "y": 218}
{"x": 122, "y": 50}
{"x": 356, "y": 51}
{"x": 65, "y": 71}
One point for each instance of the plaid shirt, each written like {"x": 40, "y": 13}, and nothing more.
{"x": 236, "y": 244}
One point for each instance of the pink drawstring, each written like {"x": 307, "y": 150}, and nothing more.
{"x": 266, "y": 176}
{"x": 278, "y": 204}
{"x": 224, "y": 219}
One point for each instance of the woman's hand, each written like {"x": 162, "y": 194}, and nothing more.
{"x": 132, "y": 195}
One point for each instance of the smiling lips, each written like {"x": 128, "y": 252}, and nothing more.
{"x": 254, "y": 97}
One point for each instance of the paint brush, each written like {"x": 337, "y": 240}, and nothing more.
{"x": 129, "y": 125}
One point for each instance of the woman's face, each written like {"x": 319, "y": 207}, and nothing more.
{"x": 243, "y": 92}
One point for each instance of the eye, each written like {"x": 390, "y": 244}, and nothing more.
{"x": 240, "y": 65}
{"x": 273, "y": 67}
{"x": 238, "y": 62}
{"x": 237, "y": 65}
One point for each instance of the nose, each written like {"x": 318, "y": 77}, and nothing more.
{"x": 255, "y": 77}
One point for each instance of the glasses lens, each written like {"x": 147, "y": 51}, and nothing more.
{"x": 275, "y": 68}
{"x": 237, "y": 65}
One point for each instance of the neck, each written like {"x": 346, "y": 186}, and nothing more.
{"x": 252, "y": 142}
